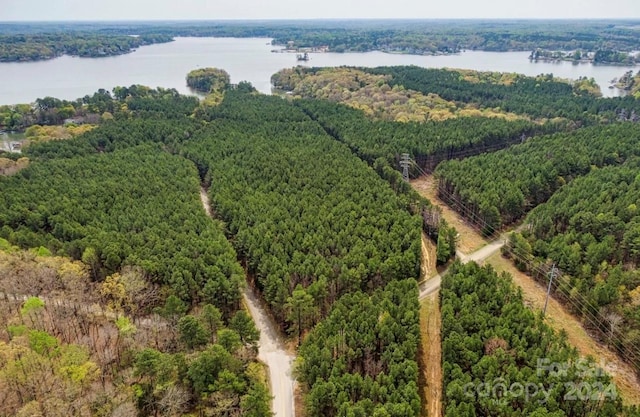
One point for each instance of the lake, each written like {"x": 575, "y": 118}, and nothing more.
{"x": 250, "y": 59}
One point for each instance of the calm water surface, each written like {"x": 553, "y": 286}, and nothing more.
{"x": 250, "y": 59}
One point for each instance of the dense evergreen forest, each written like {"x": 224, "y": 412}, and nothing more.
{"x": 31, "y": 41}
{"x": 360, "y": 361}
{"x": 323, "y": 236}
{"x": 314, "y": 225}
{"x": 76, "y": 206}
{"x": 428, "y": 142}
{"x": 590, "y": 230}
{"x": 303, "y": 209}
{"x": 119, "y": 201}
{"x": 500, "y": 358}
{"x": 499, "y": 188}
{"x": 448, "y": 114}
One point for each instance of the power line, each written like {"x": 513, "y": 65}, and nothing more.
{"x": 576, "y": 299}
{"x": 404, "y": 164}
{"x": 551, "y": 277}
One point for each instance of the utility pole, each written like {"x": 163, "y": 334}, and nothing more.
{"x": 552, "y": 275}
{"x": 404, "y": 164}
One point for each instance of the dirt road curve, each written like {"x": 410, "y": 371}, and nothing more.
{"x": 271, "y": 351}
{"x": 483, "y": 253}
{"x": 432, "y": 285}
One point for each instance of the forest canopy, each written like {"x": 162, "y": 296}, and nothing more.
{"x": 499, "y": 188}
{"x": 500, "y": 358}
{"x": 138, "y": 206}
{"x": 589, "y": 231}
{"x": 41, "y": 46}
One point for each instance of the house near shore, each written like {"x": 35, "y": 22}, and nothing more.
{"x": 74, "y": 121}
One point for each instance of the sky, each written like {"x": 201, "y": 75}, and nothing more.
{"x": 312, "y": 9}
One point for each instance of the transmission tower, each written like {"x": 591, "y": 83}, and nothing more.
{"x": 404, "y": 164}
{"x": 552, "y": 275}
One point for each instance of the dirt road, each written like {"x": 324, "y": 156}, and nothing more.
{"x": 430, "y": 355}
{"x": 271, "y": 350}
{"x": 273, "y": 353}
{"x": 432, "y": 285}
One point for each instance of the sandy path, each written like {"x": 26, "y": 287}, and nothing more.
{"x": 273, "y": 353}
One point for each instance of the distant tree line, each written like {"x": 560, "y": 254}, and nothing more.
{"x": 41, "y": 46}
{"x": 41, "y": 41}
{"x": 541, "y": 97}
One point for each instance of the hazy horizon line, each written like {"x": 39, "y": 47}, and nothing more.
{"x": 343, "y": 19}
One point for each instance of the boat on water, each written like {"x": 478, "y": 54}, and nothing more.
{"x": 303, "y": 57}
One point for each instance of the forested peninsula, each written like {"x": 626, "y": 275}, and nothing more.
{"x": 42, "y": 46}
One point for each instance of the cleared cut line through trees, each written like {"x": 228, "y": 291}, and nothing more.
{"x": 469, "y": 240}
{"x": 431, "y": 359}
{"x": 557, "y": 316}
{"x": 430, "y": 348}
